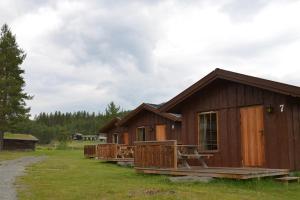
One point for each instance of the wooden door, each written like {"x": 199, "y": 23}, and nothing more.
{"x": 161, "y": 132}
{"x": 126, "y": 138}
{"x": 252, "y": 129}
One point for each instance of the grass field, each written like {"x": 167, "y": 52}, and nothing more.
{"x": 67, "y": 175}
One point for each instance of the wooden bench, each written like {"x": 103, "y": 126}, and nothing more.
{"x": 287, "y": 179}
{"x": 194, "y": 154}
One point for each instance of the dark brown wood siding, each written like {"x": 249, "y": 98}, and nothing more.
{"x": 294, "y": 141}
{"x": 149, "y": 120}
{"x": 14, "y": 144}
{"x": 119, "y": 131}
{"x": 281, "y": 129}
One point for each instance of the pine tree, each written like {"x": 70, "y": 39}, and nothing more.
{"x": 12, "y": 97}
{"x": 112, "y": 110}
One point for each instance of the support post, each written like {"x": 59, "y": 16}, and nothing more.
{"x": 1, "y": 140}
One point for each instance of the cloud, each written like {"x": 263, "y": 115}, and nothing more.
{"x": 83, "y": 54}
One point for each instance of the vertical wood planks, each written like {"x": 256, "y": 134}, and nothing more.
{"x": 156, "y": 154}
{"x": 160, "y": 132}
{"x": 253, "y": 149}
{"x": 89, "y": 151}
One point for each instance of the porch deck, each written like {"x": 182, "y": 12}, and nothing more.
{"x": 217, "y": 172}
{"x": 131, "y": 160}
{"x": 166, "y": 157}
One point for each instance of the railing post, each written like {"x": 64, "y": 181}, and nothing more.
{"x": 175, "y": 154}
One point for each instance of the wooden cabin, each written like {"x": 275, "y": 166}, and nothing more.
{"x": 112, "y": 131}
{"x": 19, "y": 142}
{"x": 241, "y": 120}
{"x": 147, "y": 123}
{"x": 117, "y": 147}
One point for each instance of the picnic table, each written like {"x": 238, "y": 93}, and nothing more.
{"x": 191, "y": 152}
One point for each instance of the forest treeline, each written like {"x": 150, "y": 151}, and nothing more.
{"x": 14, "y": 113}
{"x": 53, "y": 126}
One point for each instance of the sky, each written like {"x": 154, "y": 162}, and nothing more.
{"x": 83, "y": 54}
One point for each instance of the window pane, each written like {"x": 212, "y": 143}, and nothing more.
{"x": 208, "y": 131}
{"x": 141, "y": 134}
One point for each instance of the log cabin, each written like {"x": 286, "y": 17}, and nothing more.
{"x": 241, "y": 120}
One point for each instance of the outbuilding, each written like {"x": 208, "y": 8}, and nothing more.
{"x": 19, "y": 142}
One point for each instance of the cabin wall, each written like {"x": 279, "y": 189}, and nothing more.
{"x": 227, "y": 97}
{"x": 111, "y": 132}
{"x": 149, "y": 120}
{"x": 11, "y": 144}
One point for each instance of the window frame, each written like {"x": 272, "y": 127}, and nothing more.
{"x": 113, "y": 139}
{"x": 217, "y": 130}
{"x": 136, "y": 134}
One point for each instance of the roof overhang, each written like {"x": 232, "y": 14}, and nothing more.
{"x": 269, "y": 85}
{"x": 148, "y": 107}
{"x": 108, "y": 126}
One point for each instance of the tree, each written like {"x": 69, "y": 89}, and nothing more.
{"x": 12, "y": 96}
{"x": 112, "y": 110}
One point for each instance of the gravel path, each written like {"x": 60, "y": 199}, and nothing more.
{"x": 9, "y": 170}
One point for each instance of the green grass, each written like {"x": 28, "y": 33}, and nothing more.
{"x": 10, "y": 155}
{"x": 67, "y": 175}
{"x": 80, "y": 144}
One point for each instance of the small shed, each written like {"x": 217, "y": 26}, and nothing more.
{"x": 19, "y": 141}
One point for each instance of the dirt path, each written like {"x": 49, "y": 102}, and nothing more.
{"x": 9, "y": 170}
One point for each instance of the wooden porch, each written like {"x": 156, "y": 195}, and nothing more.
{"x": 115, "y": 152}
{"x": 166, "y": 157}
{"x": 217, "y": 172}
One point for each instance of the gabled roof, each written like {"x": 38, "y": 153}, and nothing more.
{"x": 111, "y": 124}
{"x": 265, "y": 84}
{"x": 152, "y": 108}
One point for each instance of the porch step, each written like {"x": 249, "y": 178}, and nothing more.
{"x": 288, "y": 179}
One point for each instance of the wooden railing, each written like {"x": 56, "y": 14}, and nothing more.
{"x": 125, "y": 151}
{"x": 90, "y": 151}
{"x": 107, "y": 151}
{"x": 167, "y": 154}
{"x": 114, "y": 151}
{"x": 156, "y": 154}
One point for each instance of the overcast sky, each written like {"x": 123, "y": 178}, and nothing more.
{"x": 83, "y": 54}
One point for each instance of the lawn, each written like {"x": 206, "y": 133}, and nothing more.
{"x": 9, "y": 155}
{"x": 67, "y": 175}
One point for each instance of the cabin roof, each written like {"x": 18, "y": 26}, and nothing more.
{"x": 265, "y": 84}
{"x": 14, "y": 136}
{"x": 152, "y": 108}
{"x": 111, "y": 124}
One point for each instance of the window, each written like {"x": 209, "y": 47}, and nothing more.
{"x": 141, "y": 134}
{"x": 208, "y": 131}
{"x": 115, "y": 138}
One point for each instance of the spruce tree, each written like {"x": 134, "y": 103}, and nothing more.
{"x": 112, "y": 110}
{"x": 12, "y": 96}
